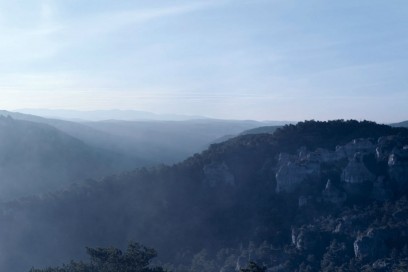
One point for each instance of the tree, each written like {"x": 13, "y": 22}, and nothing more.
{"x": 136, "y": 259}
{"x": 253, "y": 267}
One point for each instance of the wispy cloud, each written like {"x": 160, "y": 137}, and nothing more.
{"x": 96, "y": 25}
{"x": 47, "y": 35}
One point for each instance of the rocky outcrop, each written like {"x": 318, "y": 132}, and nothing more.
{"x": 344, "y": 225}
{"x": 356, "y": 171}
{"x": 386, "y": 145}
{"x": 308, "y": 238}
{"x": 372, "y": 244}
{"x": 242, "y": 262}
{"x": 333, "y": 195}
{"x": 362, "y": 146}
{"x": 218, "y": 173}
{"x": 398, "y": 167}
{"x": 324, "y": 156}
{"x": 285, "y": 158}
{"x": 355, "y": 162}
{"x": 295, "y": 169}
{"x": 291, "y": 175}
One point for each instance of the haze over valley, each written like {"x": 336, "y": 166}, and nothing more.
{"x": 41, "y": 154}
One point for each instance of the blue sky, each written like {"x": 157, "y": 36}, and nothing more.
{"x": 238, "y": 59}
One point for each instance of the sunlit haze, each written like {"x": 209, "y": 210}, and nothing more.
{"x": 243, "y": 59}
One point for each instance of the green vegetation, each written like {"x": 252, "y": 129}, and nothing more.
{"x": 201, "y": 219}
{"x": 253, "y": 267}
{"x": 136, "y": 259}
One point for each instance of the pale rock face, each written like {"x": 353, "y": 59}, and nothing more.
{"x": 292, "y": 174}
{"x": 363, "y": 146}
{"x": 356, "y": 171}
{"x": 387, "y": 145}
{"x": 372, "y": 244}
{"x": 242, "y": 262}
{"x": 292, "y": 170}
{"x": 218, "y": 173}
{"x": 344, "y": 225}
{"x": 304, "y": 200}
{"x": 302, "y": 153}
{"x": 294, "y": 235}
{"x": 284, "y": 159}
{"x": 323, "y": 155}
{"x": 398, "y": 166}
{"x": 363, "y": 246}
{"x": 305, "y": 239}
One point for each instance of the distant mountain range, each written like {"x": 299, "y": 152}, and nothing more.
{"x": 122, "y": 115}
{"x": 152, "y": 141}
{"x": 42, "y": 154}
{"x": 103, "y": 115}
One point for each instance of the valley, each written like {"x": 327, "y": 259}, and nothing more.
{"x": 312, "y": 189}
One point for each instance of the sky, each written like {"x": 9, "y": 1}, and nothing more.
{"x": 235, "y": 59}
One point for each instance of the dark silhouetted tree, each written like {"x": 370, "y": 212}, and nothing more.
{"x": 253, "y": 267}
{"x": 136, "y": 259}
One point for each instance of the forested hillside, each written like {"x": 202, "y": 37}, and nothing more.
{"x": 149, "y": 142}
{"x": 312, "y": 196}
{"x": 37, "y": 158}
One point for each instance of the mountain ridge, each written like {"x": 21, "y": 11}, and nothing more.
{"x": 36, "y": 158}
{"x": 151, "y": 141}
{"x": 223, "y": 197}
{"x": 400, "y": 124}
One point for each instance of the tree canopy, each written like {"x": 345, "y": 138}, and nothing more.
{"x": 136, "y": 259}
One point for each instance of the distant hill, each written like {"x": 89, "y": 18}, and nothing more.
{"x": 169, "y": 141}
{"x": 260, "y": 130}
{"x": 257, "y": 130}
{"x": 103, "y": 115}
{"x": 78, "y": 130}
{"x": 400, "y": 124}
{"x": 149, "y": 141}
{"x": 37, "y": 158}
